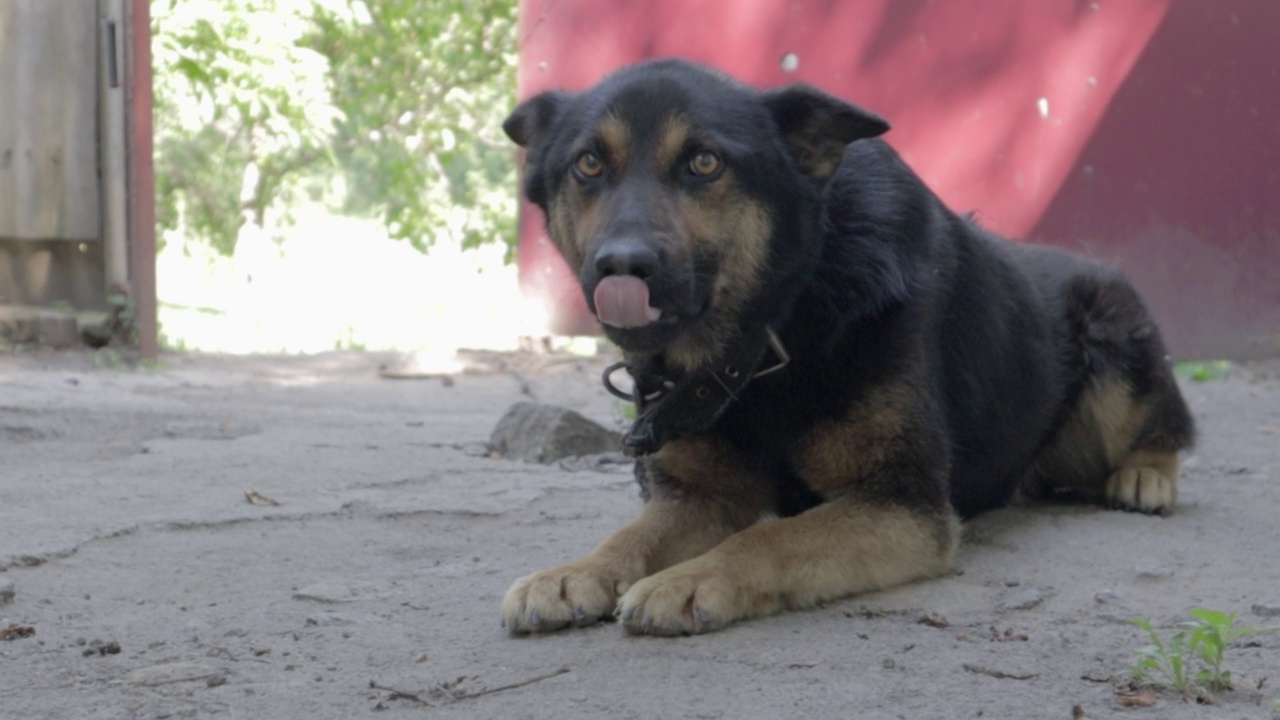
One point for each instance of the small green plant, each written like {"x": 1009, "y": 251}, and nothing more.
{"x": 1202, "y": 371}
{"x": 1162, "y": 663}
{"x": 1192, "y": 656}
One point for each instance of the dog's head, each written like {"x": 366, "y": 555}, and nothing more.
{"x": 684, "y": 200}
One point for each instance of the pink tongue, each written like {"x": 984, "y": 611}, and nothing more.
{"x": 623, "y": 301}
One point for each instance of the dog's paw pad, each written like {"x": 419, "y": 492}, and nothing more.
{"x": 1142, "y": 488}
{"x": 577, "y": 594}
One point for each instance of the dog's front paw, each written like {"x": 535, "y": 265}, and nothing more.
{"x": 579, "y": 593}
{"x": 694, "y": 597}
{"x": 1142, "y": 488}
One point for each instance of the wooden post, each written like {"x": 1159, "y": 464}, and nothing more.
{"x": 142, "y": 184}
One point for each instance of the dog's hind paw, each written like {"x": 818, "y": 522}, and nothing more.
{"x": 577, "y": 594}
{"x": 1142, "y": 488}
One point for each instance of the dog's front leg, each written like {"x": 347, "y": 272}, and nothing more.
{"x": 700, "y": 491}
{"x": 842, "y": 547}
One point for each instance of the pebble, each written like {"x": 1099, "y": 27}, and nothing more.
{"x": 339, "y": 592}
{"x": 1107, "y": 596}
{"x": 1021, "y": 600}
{"x": 7, "y": 592}
{"x": 1266, "y": 609}
{"x": 1152, "y": 572}
{"x": 170, "y": 673}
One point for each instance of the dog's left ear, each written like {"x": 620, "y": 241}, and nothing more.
{"x": 531, "y": 119}
{"x": 818, "y": 126}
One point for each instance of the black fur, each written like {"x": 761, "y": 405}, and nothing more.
{"x": 871, "y": 281}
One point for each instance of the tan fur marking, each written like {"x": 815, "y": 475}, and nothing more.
{"x": 1111, "y": 410}
{"x": 573, "y": 220}
{"x": 616, "y": 136}
{"x": 737, "y": 230}
{"x": 705, "y": 467}
{"x": 838, "y": 453}
{"x": 819, "y": 160}
{"x": 585, "y": 590}
{"x": 671, "y": 142}
{"x": 836, "y": 549}
{"x": 1092, "y": 442}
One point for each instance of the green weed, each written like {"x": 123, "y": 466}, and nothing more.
{"x": 1202, "y": 371}
{"x": 1192, "y": 656}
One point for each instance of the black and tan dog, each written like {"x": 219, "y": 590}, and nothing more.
{"x": 831, "y": 367}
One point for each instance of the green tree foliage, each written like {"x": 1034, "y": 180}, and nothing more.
{"x": 261, "y": 101}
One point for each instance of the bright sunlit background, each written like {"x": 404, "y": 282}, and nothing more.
{"x": 331, "y": 174}
{"x": 334, "y": 282}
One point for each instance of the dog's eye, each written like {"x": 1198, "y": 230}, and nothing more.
{"x": 704, "y": 164}
{"x": 589, "y": 165}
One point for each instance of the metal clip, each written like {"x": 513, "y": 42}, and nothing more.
{"x": 775, "y": 345}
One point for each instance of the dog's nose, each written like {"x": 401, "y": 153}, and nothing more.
{"x": 627, "y": 256}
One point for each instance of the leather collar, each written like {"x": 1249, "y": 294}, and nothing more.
{"x": 668, "y": 408}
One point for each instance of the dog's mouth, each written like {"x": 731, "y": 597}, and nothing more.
{"x": 640, "y": 318}
{"x": 623, "y": 301}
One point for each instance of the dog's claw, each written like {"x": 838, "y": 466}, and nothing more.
{"x": 704, "y": 615}
{"x": 578, "y": 614}
{"x": 535, "y": 618}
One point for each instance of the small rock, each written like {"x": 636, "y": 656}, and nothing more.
{"x": 889, "y": 664}
{"x": 1266, "y": 609}
{"x": 1107, "y": 596}
{"x": 97, "y": 647}
{"x": 7, "y": 592}
{"x": 169, "y": 673}
{"x": 1021, "y": 600}
{"x": 933, "y": 619}
{"x": 1152, "y": 572}
{"x": 541, "y": 433}
{"x": 340, "y": 592}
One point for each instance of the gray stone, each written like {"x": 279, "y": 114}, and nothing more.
{"x": 333, "y": 593}
{"x": 1021, "y": 600}
{"x": 170, "y": 673}
{"x": 1267, "y": 609}
{"x": 541, "y": 433}
{"x": 7, "y": 591}
{"x": 1152, "y": 572}
{"x": 1107, "y": 596}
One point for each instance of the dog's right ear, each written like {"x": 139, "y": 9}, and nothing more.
{"x": 528, "y": 123}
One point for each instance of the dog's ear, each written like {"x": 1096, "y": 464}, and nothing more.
{"x": 818, "y": 127}
{"x": 528, "y": 123}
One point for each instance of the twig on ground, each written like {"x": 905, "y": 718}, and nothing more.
{"x": 395, "y": 694}
{"x": 512, "y": 686}
{"x": 446, "y": 691}
{"x": 998, "y": 674}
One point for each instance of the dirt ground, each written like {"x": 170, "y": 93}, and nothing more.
{"x": 155, "y": 589}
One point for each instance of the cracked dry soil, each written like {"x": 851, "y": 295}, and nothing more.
{"x": 140, "y": 548}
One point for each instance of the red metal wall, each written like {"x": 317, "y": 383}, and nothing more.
{"x": 1144, "y": 132}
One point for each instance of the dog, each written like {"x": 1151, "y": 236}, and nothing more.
{"x": 831, "y": 368}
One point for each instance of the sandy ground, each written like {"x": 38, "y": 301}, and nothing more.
{"x": 155, "y": 589}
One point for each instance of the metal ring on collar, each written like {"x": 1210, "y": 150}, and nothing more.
{"x": 607, "y": 379}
